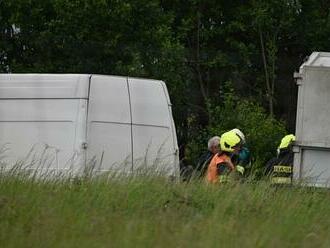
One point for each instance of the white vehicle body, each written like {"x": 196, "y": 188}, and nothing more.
{"x": 119, "y": 123}
{"x": 312, "y": 148}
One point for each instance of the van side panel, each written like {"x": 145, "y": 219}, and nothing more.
{"x": 312, "y": 146}
{"x": 314, "y": 168}
{"x": 47, "y": 126}
{"x": 109, "y": 124}
{"x": 315, "y": 107}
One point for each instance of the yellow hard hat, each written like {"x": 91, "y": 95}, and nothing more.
{"x": 228, "y": 141}
{"x": 286, "y": 141}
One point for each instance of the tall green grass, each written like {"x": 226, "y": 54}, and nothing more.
{"x": 152, "y": 211}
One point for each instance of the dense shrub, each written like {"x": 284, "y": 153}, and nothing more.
{"x": 263, "y": 133}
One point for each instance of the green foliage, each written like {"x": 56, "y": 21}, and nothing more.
{"x": 153, "y": 212}
{"x": 263, "y": 133}
{"x": 129, "y": 38}
{"x": 195, "y": 46}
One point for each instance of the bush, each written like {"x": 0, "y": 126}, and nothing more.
{"x": 263, "y": 133}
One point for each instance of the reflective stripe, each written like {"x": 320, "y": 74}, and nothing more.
{"x": 281, "y": 180}
{"x": 223, "y": 179}
{"x": 282, "y": 168}
{"x": 240, "y": 169}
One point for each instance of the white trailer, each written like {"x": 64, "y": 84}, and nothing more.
{"x": 63, "y": 121}
{"x": 312, "y": 148}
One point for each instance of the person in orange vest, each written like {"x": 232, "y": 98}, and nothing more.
{"x": 221, "y": 164}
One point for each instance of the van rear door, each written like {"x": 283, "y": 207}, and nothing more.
{"x": 109, "y": 125}
{"x": 153, "y": 144}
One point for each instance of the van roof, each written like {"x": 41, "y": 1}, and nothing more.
{"x": 45, "y": 85}
{"x": 318, "y": 59}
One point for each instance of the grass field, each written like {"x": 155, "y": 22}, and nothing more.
{"x": 154, "y": 212}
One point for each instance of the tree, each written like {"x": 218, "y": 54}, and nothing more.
{"x": 272, "y": 19}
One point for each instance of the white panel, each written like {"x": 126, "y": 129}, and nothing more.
{"x": 312, "y": 154}
{"x": 153, "y": 148}
{"x": 175, "y": 141}
{"x": 38, "y": 110}
{"x": 80, "y": 134}
{"x": 44, "y": 86}
{"x": 109, "y": 99}
{"x": 316, "y": 167}
{"x": 20, "y": 137}
{"x": 109, "y": 129}
{"x": 38, "y": 123}
{"x": 149, "y": 103}
{"x": 111, "y": 146}
{"x": 315, "y": 109}
{"x": 318, "y": 59}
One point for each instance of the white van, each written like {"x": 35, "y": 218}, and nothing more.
{"x": 64, "y": 121}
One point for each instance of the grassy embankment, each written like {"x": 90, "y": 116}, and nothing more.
{"x": 153, "y": 212}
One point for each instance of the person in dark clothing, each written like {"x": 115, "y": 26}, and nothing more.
{"x": 280, "y": 168}
{"x": 213, "y": 146}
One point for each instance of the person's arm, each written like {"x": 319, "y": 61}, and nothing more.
{"x": 243, "y": 157}
{"x": 269, "y": 166}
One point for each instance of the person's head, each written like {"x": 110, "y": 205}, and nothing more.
{"x": 286, "y": 142}
{"x": 230, "y": 142}
{"x": 214, "y": 144}
{"x": 240, "y": 134}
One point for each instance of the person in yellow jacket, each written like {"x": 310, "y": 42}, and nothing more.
{"x": 221, "y": 164}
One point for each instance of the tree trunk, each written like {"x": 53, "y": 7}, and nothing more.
{"x": 269, "y": 87}
{"x": 198, "y": 67}
{"x": 197, "y": 55}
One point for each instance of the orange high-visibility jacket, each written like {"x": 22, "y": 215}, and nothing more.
{"x": 212, "y": 174}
